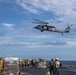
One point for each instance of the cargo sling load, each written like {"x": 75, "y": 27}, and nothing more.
{"x": 11, "y": 66}
{"x": 1, "y": 65}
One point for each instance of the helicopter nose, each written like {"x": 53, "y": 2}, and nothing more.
{"x": 35, "y": 27}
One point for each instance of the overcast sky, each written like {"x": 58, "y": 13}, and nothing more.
{"x": 19, "y": 39}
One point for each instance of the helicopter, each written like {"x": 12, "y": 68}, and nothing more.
{"x": 43, "y": 26}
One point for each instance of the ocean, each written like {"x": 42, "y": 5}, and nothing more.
{"x": 67, "y": 62}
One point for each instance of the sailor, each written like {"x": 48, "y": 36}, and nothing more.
{"x": 33, "y": 63}
{"x": 57, "y": 66}
{"x": 51, "y": 66}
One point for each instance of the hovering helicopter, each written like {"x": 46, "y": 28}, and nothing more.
{"x": 43, "y": 26}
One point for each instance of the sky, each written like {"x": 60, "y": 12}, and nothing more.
{"x": 19, "y": 39}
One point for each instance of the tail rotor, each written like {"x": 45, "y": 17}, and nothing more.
{"x": 69, "y": 26}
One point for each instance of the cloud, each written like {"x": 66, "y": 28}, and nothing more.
{"x": 57, "y": 43}
{"x": 56, "y": 6}
{"x": 9, "y": 26}
{"x": 32, "y": 45}
{"x": 2, "y": 34}
{"x": 26, "y": 6}
{"x": 72, "y": 43}
{"x": 5, "y": 40}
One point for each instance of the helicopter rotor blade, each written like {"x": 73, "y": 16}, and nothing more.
{"x": 36, "y": 22}
{"x": 41, "y": 21}
{"x": 58, "y": 21}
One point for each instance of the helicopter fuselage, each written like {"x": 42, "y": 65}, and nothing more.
{"x": 51, "y": 28}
